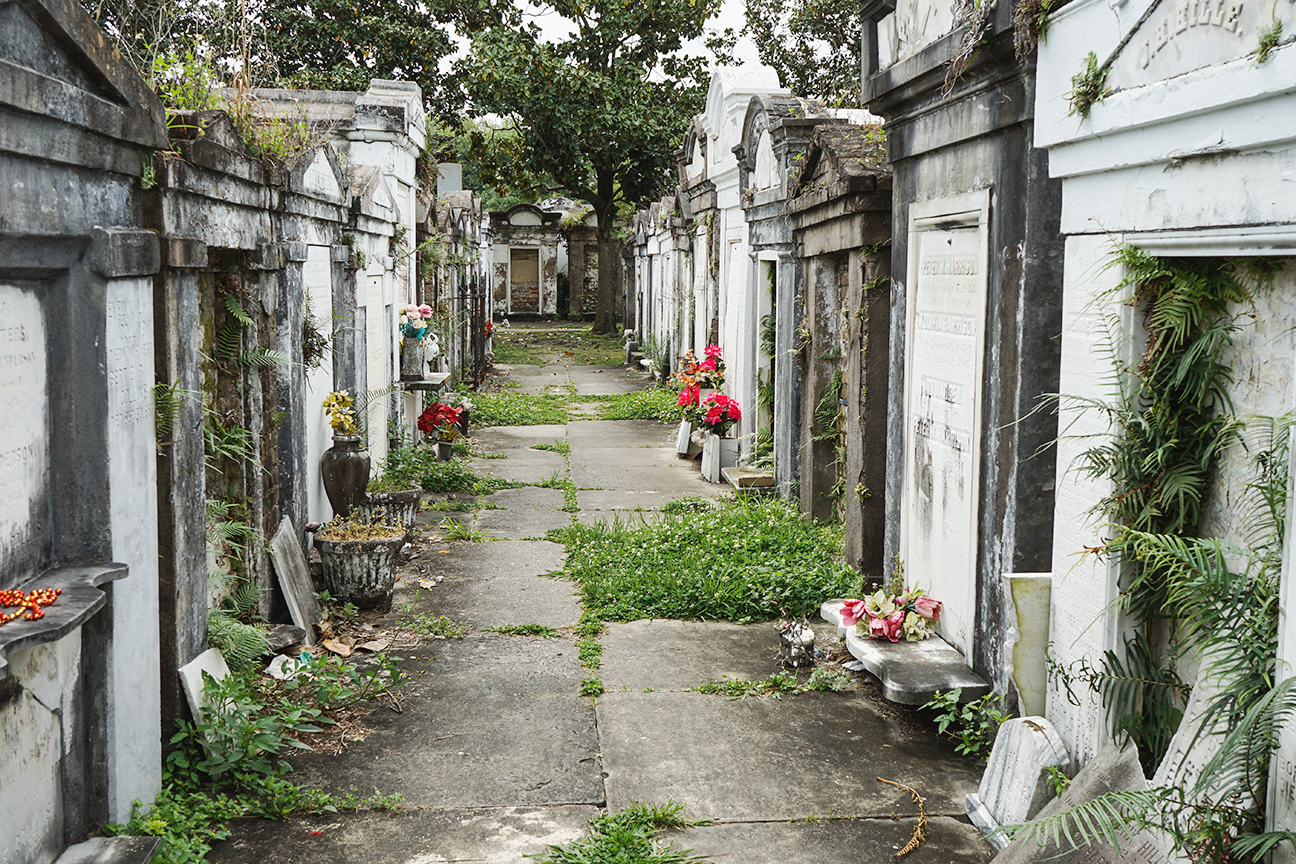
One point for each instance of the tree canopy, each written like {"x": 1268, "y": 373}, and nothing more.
{"x": 813, "y": 44}
{"x": 601, "y": 112}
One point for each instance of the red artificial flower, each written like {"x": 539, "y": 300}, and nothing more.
{"x": 713, "y": 352}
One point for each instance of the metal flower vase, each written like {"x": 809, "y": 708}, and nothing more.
{"x": 412, "y": 360}
{"x": 344, "y": 467}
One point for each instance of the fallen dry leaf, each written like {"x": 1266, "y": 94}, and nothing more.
{"x": 375, "y": 645}
{"x": 337, "y": 647}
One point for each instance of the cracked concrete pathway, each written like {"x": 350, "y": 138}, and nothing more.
{"x": 496, "y": 755}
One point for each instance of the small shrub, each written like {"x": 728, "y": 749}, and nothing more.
{"x": 974, "y": 725}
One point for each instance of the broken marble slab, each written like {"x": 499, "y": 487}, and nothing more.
{"x": 213, "y": 663}
{"x": 294, "y": 579}
{"x": 1114, "y": 769}
{"x": 1017, "y": 782}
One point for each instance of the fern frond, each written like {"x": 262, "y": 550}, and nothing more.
{"x": 1104, "y": 820}
{"x": 242, "y": 644}
{"x": 235, "y": 308}
{"x": 263, "y": 358}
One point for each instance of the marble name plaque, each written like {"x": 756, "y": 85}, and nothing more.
{"x": 24, "y": 450}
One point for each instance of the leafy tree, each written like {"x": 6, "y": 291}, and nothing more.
{"x": 601, "y": 111}
{"x": 342, "y": 44}
{"x": 813, "y": 44}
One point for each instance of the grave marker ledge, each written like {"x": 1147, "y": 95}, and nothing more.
{"x": 82, "y": 597}
{"x": 910, "y": 672}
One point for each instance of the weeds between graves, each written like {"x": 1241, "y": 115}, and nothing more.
{"x": 538, "y": 347}
{"x": 231, "y": 765}
{"x": 627, "y": 836}
{"x": 745, "y": 561}
{"x": 822, "y": 678}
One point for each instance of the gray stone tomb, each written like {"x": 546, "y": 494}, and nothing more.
{"x": 1016, "y": 784}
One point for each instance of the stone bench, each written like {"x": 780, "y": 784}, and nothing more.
{"x": 910, "y": 672}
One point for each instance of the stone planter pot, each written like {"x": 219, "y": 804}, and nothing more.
{"x": 463, "y": 422}
{"x": 412, "y": 360}
{"x": 344, "y": 468}
{"x": 362, "y": 572}
{"x": 685, "y": 447}
{"x": 718, "y": 453}
{"x": 391, "y": 508}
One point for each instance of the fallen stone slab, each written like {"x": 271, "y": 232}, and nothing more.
{"x": 294, "y": 579}
{"x": 761, "y": 759}
{"x": 499, "y": 835}
{"x": 910, "y": 672}
{"x": 1017, "y": 782}
{"x": 486, "y": 721}
{"x": 854, "y": 841}
{"x": 1114, "y": 769}
{"x": 212, "y": 662}
{"x": 677, "y": 655}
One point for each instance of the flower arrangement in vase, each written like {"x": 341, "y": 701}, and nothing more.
{"x": 710, "y": 372}
{"x": 341, "y": 413}
{"x": 440, "y": 422}
{"x": 718, "y": 413}
{"x": 906, "y": 614}
{"x": 415, "y": 321}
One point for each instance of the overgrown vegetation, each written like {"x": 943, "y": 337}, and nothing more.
{"x": 822, "y": 678}
{"x": 656, "y": 403}
{"x": 511, "y": 408}
{"x": 232, "y": 764}
{"x": 1189, "y": 600}
{"x": 1088, "y": 86}
{"x": 540, "y": 630}
{"x": 746, "y": 561}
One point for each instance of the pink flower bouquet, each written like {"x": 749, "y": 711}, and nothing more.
{"x": 906, "y": 615}
{"x": 718, "y": 413}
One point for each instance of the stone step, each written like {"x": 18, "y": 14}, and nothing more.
{"x": 111, "y": 850}
{"x": 741, "y": 478}
{"x": 910, "y": 672}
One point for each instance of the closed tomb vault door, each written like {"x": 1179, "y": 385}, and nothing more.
{"x": 944, "y": 358}
{"x": 524, "y": 280}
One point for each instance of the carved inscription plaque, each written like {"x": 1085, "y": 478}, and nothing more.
{"x": 24, "y": 448}
{"x": 942, "y": 396}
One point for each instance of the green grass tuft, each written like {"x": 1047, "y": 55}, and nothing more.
{"x": 524, "y": 630}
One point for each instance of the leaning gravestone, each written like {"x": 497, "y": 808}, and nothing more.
{"x": 1192, "y": 746}
{"x": 1112, "y": 770}
{"x": 211, "y": 661}
{"x": 294, "y": 579}
{"x": 1017, "y": 783}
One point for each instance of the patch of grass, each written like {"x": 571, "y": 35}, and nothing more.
{"x": 451, "y": 476}
{"x": 830, "y": 679}
{"x": 561, "y": 446}
{"x": 519, "y": 409}
{"x": 453, "y": 529}
{"x": 439, "y": 625}
{"x": 537, "y": 346}
{"x": 746, "y": 561}
{"x": 627, "y": 838}
{"x": 450, "y": 506}
{"x": 491, "y": 485}
{"x": 687, "y": 504}
{"x": 524, "y": 630}
{"x": 656, "y": 404}
{"x": 592, "y": 687}
{"x": 591, "y": 652}
{"x": 775, "y": 685}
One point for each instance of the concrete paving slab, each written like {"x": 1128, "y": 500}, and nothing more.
{"x": 762, "y": 759}
{"x": 602, "y": 434}
{"x": 524, "y": 466}
{"x": 604, "y": 380}
{"x": 504, "y": 835}
{"x": 527, "y": 498}
{"x": 512, "y": 525}
{"x": 487, "y": 721}
{"x": 860, "y": 841}
{"x": 486, "y": 580}
{"x": 678, "y": 655}
{"x": 655, "y": 470}
{"x": 510, "y": 437}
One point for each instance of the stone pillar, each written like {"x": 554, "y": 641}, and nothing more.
{"x": 181, "y": 487}
{"x": 787, "y": 379}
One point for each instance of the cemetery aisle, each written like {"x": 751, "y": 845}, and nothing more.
{"x": 497, "y": 755}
